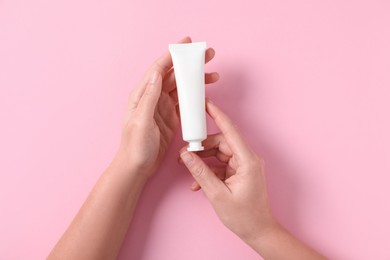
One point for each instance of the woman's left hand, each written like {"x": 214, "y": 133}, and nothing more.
{"x": 151, "y": 118}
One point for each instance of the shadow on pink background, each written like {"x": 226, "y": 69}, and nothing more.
{"x": 308, "y": 82}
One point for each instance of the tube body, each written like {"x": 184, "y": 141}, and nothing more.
{"x": 188, "y": 63}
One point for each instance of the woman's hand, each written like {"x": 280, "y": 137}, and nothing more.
{"x": 100, "y": 226}
{"x": 237, "y": 191}
{"x": 237, "y": 188}
{"x": 152, "y": 119}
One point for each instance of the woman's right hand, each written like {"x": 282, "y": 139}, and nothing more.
{"x": 237, "y": 191}
{"x": 237, "y": 188}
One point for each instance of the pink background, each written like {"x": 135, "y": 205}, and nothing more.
{"x": 308, "y": 82}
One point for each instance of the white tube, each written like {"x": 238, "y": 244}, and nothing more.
{"x": 188, "y": 62}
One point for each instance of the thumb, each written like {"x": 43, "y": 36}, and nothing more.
{"x": 152, "y": 93}
{"x": 203, "y": 175}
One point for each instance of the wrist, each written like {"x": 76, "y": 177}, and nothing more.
{"x": 261, "y": 236}
{"x": 123, "y": 166}
{"x": 272, "y": 239}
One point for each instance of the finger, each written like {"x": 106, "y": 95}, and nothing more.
{"x": 178, "y": 111}
{"x": 174, "y": 96}
{"x": 229, "y": 131}
{"x": 149, "y": 99}
{"x": 220, "y": 172}
{"x": 163, "y": 64}
{"x": 229, "y": 160}
{"x": 210, "y": 78}
{"x": 210, "y": 153}
{"x": 230, "y": 171}
{"x": 134, "y": 98}
{"x": 169, "y": 81}
{"x": 203, "y": 175}
{"x": 214, "y": 153}
{"x": 214, "y": 146}
{"x": 209, "y": 55}
{"x": 217, "y": 141}
{"x": 195, "y": 186}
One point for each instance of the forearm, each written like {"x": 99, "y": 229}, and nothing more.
{"x": 278, "y": 243}
{"x": 101, "y": 224}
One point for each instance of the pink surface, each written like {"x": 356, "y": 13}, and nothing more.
{"x": 308, "y": 82}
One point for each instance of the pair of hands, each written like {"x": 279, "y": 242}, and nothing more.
{"x": 236, "y": 188}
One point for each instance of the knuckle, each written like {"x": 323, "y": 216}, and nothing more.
{"x": 198, "y": 171}
{"x": 234, "y": 126}
{"x": 255, "y": 162}
{"x": 222, "y": 157}
{"x": 219, "y": 196}
{"x": 259, "y": 160}
{"x": 232, "y": 163}
{"x": 156, "y": 67}
{"x": 214, "y": 196}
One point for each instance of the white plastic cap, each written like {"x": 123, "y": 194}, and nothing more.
{"x": 195, "y": 146}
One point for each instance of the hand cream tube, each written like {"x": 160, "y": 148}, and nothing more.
{"x": 188, "y": 63}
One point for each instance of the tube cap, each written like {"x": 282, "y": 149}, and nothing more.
{"x": 195, "y": 146}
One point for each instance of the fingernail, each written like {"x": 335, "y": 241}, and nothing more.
{"x": 179, "y": 160}
{"x": 186, "y": 157}
{"x": 194, "y": 185}
{"x": 209, "y": 100}
{"x": 153, "y": 78}
{"x": 183, "y": 149}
